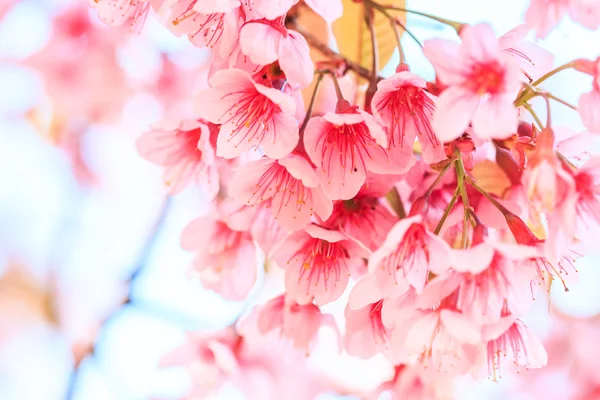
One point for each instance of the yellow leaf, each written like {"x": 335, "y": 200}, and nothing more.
{"x": 491, "y": 178}
{"x": 353, "y": 36}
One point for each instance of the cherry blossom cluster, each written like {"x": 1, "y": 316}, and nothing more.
{"x": 435, "y": 208}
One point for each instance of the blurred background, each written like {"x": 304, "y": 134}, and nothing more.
{"x": 94, "y": 288}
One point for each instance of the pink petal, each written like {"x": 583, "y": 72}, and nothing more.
{"x": 281, "y": 137}
{"x": 479, "y": 43}
{"x": 589, "y": 110}
{"x": 215, "y": 6}
{"x": 260, "y": 42}
{"x": 295, "y": 61}
{"x": 495, "y": 118}
{"x": 364, "y": 293}
{"x": 455, "y": 108}
{"x": 473, "y": 260}
{"x": 444, "y": 55}
{"x": 461, "y": 327}
{"x": 330, "y": 10}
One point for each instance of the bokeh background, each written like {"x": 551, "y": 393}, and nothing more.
{"x": 94, "y": 288}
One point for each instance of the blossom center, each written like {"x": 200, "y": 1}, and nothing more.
{"x": 251, "y": 116}
{"x": 486, "y": 78}
{"x": 321, "y": 260}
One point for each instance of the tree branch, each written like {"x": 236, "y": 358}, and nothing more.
{"x": 326, "y": 50}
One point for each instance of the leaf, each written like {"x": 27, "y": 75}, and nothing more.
{"x": 353, "y": 36}
{"x": 491, "y": 177}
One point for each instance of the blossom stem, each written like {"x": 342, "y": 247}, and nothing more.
{"x": 440, "y": 224}
{"x": 393, "y": 20}
{"x": 537, "y": 119}
{"x": 460, "y": 178}
{"x": 336, "y": 85}
{"x": 494, "y": 202}
{"x": 528, "y": 94}
{"x": 369, "y": 19}
{"x": 439, "y": 177}
{"x": 561, "y": 101}
{"x": 311, "y": 104}
{"x": 393, "y": 197}
{"x": 398, "y": 42}
{"x": 457, "y": 26}
{"x": 316, "y": 43}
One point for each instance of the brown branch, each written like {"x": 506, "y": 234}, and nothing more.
{"x": 315, "y": 42}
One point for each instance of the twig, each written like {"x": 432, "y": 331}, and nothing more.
{"x": 326, "y": 50}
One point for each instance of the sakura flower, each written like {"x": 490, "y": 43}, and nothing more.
{"x": 271, "y": 9}
{"x": 118, "y": 12}
{"x": 548, "y": 184}
{"x": 486, "y": 277}
{"x": 363, "y": 218}
{"x": 446, "y": 338}
{"x": 408, "y": 254}
{"x": 416, "y": 382}
{"x": 365, "y": 333}
{"x": 345, "y": 146}
{"x": 585, "y": 12}
{"x": 544, "y": 15}
{"x": 533, "y": 60}
{"x": 226, "y": 259}
{"x": 317, "y": 264}
{"x": 186, "y": 153}
{"x": 587, "y": 191}
{"x": 215, "y": 6}
{"x": 510, "y": 335}
{"x": 482, "y": 81}
{"x": 265, "y": 42}
{"x": 211, "y": 358}
{"x": 589, "y": 102}
{"x": 250, "y": 115}
{"x": 406, "y": 110}
{"x": 290, "y": 184}
{"x": 295, "y": 322}
{"x": 329, "y": 10}
{"x": 206, "y": 27}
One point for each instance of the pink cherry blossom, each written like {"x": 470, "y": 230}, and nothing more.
{"x": 587, "y": 190}
{"x": 585, "y": 12}
{"x": 408, "y": 254}
{"x": 330, "y": 10}
{"x": 511, "y": 336}
{"x": 345, "y": 147}
{"x": 215, "y": 6}
{"x": 446, "y": 338}
{"x": 250, "y": 115}
{"x": 590, "y": 101}
{"x": 533, "y": 60}
{"x": 187, "y": 154}
{"x": 416, "y": 382}
{"x": 365, "y": 333}
{"x": 204, "y": 29}
{"x": 295, "y": 322}
{"x": 213, "y": 357}
{"x": 265, "y": 42}
{"x": 482, "y": 81}
{"x": 271, "y": 9}
{"x": 487, "y": 276}
{"x": 119, "y": 12}
{"x": 317, "y": 264}
{"x": 363, "y": 218}
{"x": 226, "y": 259}
{"x": 406, "y": 110}
{"x": 290, "y": 184}
{"x": 544, "y": 15}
